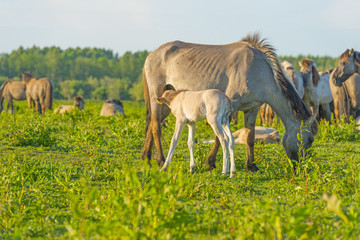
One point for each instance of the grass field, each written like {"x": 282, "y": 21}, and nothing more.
{"x": 80, "y": 176}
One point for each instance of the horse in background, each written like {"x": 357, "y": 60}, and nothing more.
{"x": 12, "y": 90}
{"x": 111, "y": 107}
{"x": 294, "y": 76}
{"x": 247, "y": 71}
{"x": 38, "y": 90}
{"x": 78, "y": 103}
{"x": 345, "y": 85}
{"x": 311, "y": 79}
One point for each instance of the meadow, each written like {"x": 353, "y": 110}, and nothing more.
{"x": 80, "y": 176}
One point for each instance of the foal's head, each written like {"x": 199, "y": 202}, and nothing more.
{"x": 168, "y": 96}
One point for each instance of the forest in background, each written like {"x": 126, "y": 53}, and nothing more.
{"x": 96, "y": 73}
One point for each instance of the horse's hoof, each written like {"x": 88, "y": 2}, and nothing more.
{"x": 163, "y": 169}
{"x": 252, "y": 168}
{"x": 192, "y": 170}
{"x": 232, "y": 174}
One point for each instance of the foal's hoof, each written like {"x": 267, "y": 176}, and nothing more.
{"x": 163, "y": 169}
{"x": 252, "y": 168}
{"x": 232, "y": 174}
{"x": 192, "y": 170}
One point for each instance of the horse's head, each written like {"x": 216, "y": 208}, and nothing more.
{"x": 306, "y": 132}
{"x": 79, "y": 102}
{"x": 26, "y": 76}
{"x": 309, "y": 72}
{"x": 348, "y": 64}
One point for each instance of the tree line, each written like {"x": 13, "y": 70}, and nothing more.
{"x": 95, "y": 73}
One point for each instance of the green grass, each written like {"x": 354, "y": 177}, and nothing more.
{"x": 80, "y": 176}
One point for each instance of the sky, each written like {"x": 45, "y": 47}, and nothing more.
{"x": 315, "y": 27}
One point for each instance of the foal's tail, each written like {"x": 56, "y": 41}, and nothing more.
{"x": 147, "y": 101}
{"x": 49, "y": 95}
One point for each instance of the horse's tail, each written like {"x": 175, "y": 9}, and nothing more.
{"x": 147, "y": 101}
{"x": 1, "y": 94}
{"x": 49, "y": 95}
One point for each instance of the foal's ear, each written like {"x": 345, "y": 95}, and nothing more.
{"x": 161, "y": 100}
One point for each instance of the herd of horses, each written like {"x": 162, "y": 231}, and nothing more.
{"x": 250, "y": 75}
{"x": 39, "y": 94}
{"x": 247, "y": 74}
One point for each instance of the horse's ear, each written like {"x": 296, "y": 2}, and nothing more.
{"x": 161, "y": 100}
{"x": 351, "y": 52}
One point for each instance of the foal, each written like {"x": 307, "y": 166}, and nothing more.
{"x": 191, "y": 106}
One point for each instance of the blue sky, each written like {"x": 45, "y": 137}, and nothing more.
{"x": 321, "y": 27}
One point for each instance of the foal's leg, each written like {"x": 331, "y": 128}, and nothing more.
{"x": 250, "y": 119}
{"x": 191, "y": 144}
{"x": 231, "y": 149}
{"x": 178, "y": 128}
{"x": 220, "y": 133}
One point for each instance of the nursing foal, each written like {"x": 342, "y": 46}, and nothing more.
{"x": 191, "y": 106}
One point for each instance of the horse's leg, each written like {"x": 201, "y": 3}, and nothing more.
{"x": 178, "y": 128}
{"x": 231, "y": 149}
{"x": 191, "y": 144}
{"x": 42, "y": 105}
{"x": 211, "y": 158}
{"x": 250, "y": 119}
{"x": 11, "y": 104}
{"x": 155, "y": 126}
{"x": 37, "y": 104}
{"x": 1, "y": 104}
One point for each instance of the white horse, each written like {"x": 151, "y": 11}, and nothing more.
{"x": 317, "y": 88}
{"x": 191, "y": 106}
{"x": 294, "y": 76}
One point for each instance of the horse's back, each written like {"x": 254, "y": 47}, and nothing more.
{"x": 195, "y": 66}
{"x": 111, "y": 109}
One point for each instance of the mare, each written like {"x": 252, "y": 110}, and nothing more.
{"x": 111, "y": 107}
{"x": 12, "y": 90}
{"x": 79, "y": 103}
{"x": 190, "y": 107}
{"x": 247, "y": 71}
{"x": 38, "y": 90}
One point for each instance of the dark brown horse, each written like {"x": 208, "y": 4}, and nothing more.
{"x": 38, "y": 90}
{"x": 248, "y": 72}
{"x": 12, "y": 90}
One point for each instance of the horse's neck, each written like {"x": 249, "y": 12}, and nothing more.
{"x": 281, "y": 106}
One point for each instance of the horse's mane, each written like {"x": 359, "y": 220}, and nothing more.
{"x": 287, "y": 89}
{"x": 344, "y": 57}
{"x": 305, "y": 63}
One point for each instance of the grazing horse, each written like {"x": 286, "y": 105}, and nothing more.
{"x": 345, "y": 85}
{"x": 248, "y": 72}
{"x": 111, "y": 107}
{"x": 38, "y": 90}
{"x": 78, "y": 103}
{"x": 311, "y": 79}
{"x": 12, "y": 90}
{"x": 190, "y": 107}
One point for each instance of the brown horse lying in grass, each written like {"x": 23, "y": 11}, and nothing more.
{"x": 78, "y": 103}
{"x": 38, "y": 90}
{"x": 191, "y": 106}
{"x": 111, "y": 107}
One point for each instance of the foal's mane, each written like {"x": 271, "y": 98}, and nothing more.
{"x": 287, "y": 89}
{"x": 171, "y": 94}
